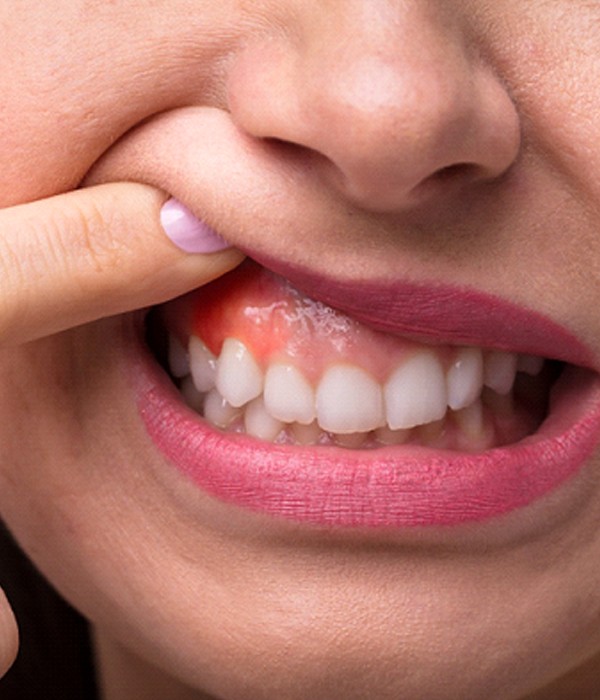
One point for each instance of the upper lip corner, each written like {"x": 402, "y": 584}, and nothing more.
{"x": 436, "y": 312}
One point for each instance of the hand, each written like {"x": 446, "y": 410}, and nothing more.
{"x": 88, "y": 254}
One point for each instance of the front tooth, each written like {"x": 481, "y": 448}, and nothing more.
{"x": 348, "y": 400}
{"x": 465, "y": 378}
{"x": 415, "y": 393}
{"x": 239, "y": 378}
{"x": 203, "y": 365}
{"x": 500, "y": 369}
{"x": 218, "y": 411}
{"x": 288, "y": 395}
{"x": 259, "y": 422}
{"x": 179, "y": 364}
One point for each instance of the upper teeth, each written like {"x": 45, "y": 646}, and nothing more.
{"x": 347, "y": 399}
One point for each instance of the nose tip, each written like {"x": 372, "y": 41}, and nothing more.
{"x": 388, "y": 116}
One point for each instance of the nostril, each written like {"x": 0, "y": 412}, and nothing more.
{"x": 449, "y": 179}
{"x": 455, "y": 171}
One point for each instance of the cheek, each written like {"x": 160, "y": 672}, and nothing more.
{"x": 69, "y": 94}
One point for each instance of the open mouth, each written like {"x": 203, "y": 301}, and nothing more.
{"x": 252, "y": 355}
{"x": 296, "y": 406}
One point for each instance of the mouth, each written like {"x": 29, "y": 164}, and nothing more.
{"x": 282, "y": 404}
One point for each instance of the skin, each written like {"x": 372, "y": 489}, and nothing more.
{"x": 281, "y": 123}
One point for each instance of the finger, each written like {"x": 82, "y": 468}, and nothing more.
{"x": 9, "y": 635}
{"x": 92, "y": 253}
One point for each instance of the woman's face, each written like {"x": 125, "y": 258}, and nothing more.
{"x": 362, "y": 148}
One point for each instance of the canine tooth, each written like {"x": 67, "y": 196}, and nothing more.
{"x": 259, "y": 422}
{"x": 465, "y": 378}
{"x": 387, "y": 436}
{"x": 288, "y": 395}
{"x": 530, "y": 364}
{"x": 218, "y": 411}
{"x": 239, "y": 378}
{"x": 192, "y": 397}
{"x": 203, "y": 365}
{"x": 415, "y": 393}
{"x": 499, "y": 372}
{"x": 179, "y": 364}
{"x": 348, "y": 400}
{"x": 306, "y": 434}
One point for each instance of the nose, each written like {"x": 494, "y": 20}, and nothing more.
{"x": 388, "y": 98}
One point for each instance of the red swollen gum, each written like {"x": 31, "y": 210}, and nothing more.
{"x": 277, "y": 322}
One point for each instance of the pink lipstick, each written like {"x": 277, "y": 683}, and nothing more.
{"x": 438, "y": 313}
{"x": 390, "y": 486}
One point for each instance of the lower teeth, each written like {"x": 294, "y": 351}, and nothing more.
{"x": 490, "y": 422}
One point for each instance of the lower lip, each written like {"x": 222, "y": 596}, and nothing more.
{"x": 395, "y": 487}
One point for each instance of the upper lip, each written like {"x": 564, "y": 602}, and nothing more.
{"x": 438, "y": 313}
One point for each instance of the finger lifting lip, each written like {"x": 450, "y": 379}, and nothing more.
{"x": 395, "y": 487}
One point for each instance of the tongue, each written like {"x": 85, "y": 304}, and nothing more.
{"x": 276, "y": 321}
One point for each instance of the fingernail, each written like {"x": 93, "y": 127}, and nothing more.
{"x": 187, "y": 232}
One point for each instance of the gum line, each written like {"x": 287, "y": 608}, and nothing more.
{"x": 488, "y": 422}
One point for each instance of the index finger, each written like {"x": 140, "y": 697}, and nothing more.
{"x": 88, "y": 254}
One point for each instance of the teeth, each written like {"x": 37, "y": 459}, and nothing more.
{"x": 416, "y": 392}
{"x": 288, "y": 395}
{"x": 239, "y": 379}
{"x": 349, "y": 407}
{"x": 179, "y": 363}
{"x": 193, "y": 398}
{"x": 203, "y": 365}
{"x": 500, "y": 370}
{"x": 259, "y": 422}
{"x": 501, "y": 404}
{"x": 306, "y": 434}
{"x": 433, "y": 434}
{"x": 349, "y": 400}
{"x": 218, "y": 411}
{"x": 387, "y": 436}
{"x": 352, "y": 441}
{"x": 530, "y": 364}
{"x": 474, "y": 434}
{"x": 465, "y": 378}
{"x": 470, "y": 419}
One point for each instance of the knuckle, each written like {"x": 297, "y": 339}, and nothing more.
{"x": 56, "y": 252}
{"x": 83, "y": 237}
{"x": 83, "y": 242}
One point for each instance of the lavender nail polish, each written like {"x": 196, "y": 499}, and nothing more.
{"x": 187, "y": 232}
